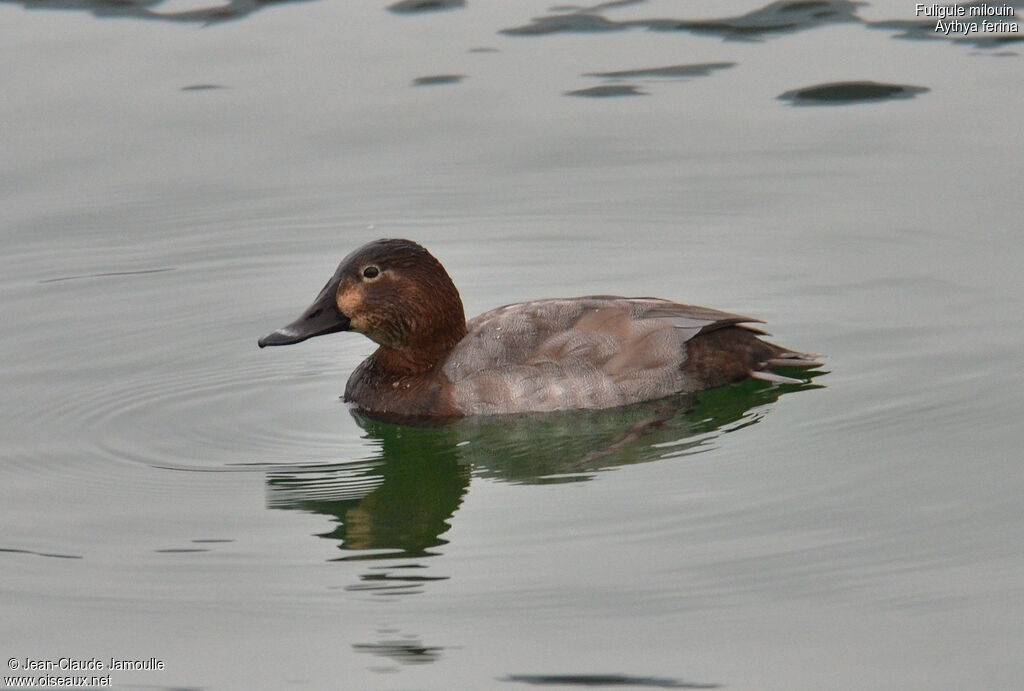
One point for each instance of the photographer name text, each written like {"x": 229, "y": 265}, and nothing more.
{"x": 89, "y": 664}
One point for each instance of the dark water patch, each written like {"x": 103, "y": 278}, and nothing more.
{"x": 673, "y": 71}
{"x": 408, "y": 650}
{"x": 579, "y": 23}
{"x": 207, "y": 541}
{"x": 422, "y": 6}
{"x": 436, "y": 79}
{"x": 605, "y": 680}
{"x": 608, "y": 91}
{"x": 777, "y": 17}
{"x": 841, "y": 93}
{"x": 391, "y": 582}
{"x": 483, "y": 49}
{"x": 149, "y": 9}
{"x": 180, "y": 550}
{"x": 202, "y": 87}
{"x": 105, "y": 274}
{"x": 995, "y": 42}
{"x": 52, "y": 555}
{"x": 611, "y": 4}
{"x": 781, "y": 18}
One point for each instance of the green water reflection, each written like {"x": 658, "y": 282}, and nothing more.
{"x": 399, "y": 502}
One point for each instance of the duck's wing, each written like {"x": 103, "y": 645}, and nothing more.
{"x": 690, "y": 320}
{"x": 541, "y": 318}
{"x": 601, "y": 325}
{"x": 590, "y": 352}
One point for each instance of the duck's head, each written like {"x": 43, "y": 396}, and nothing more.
{"x": 394, "y": 292}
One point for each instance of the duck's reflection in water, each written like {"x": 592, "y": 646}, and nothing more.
{"x": 394, "y": 507}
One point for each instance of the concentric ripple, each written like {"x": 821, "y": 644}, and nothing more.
{"x": 225, "y": 418}
{"x": 211, "y": 408}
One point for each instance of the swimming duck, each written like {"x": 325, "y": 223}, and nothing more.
{"x": 598, "y": 351}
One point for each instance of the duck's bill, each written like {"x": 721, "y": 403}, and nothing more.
{"x": 322, "y": 317}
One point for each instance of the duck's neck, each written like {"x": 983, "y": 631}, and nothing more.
{"x": 421, "y": 357}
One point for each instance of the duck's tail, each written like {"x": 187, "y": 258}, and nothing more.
{"x": 783, "y": 358}
{"x": 735, "y": 352}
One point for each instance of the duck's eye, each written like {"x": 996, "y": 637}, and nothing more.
{"x": 371, "y": 272}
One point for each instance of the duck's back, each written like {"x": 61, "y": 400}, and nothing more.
{"x": 595, "y": 352}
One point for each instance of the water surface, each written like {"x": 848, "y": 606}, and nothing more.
{"x": 180, "y": 178}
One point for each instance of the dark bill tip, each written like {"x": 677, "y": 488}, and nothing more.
{"x": 282, "y": 336}
{"x": 322, "y": 317}
{"x": 305, "y": 327}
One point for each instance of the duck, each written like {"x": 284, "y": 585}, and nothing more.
{"x": 556, "y": 354}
